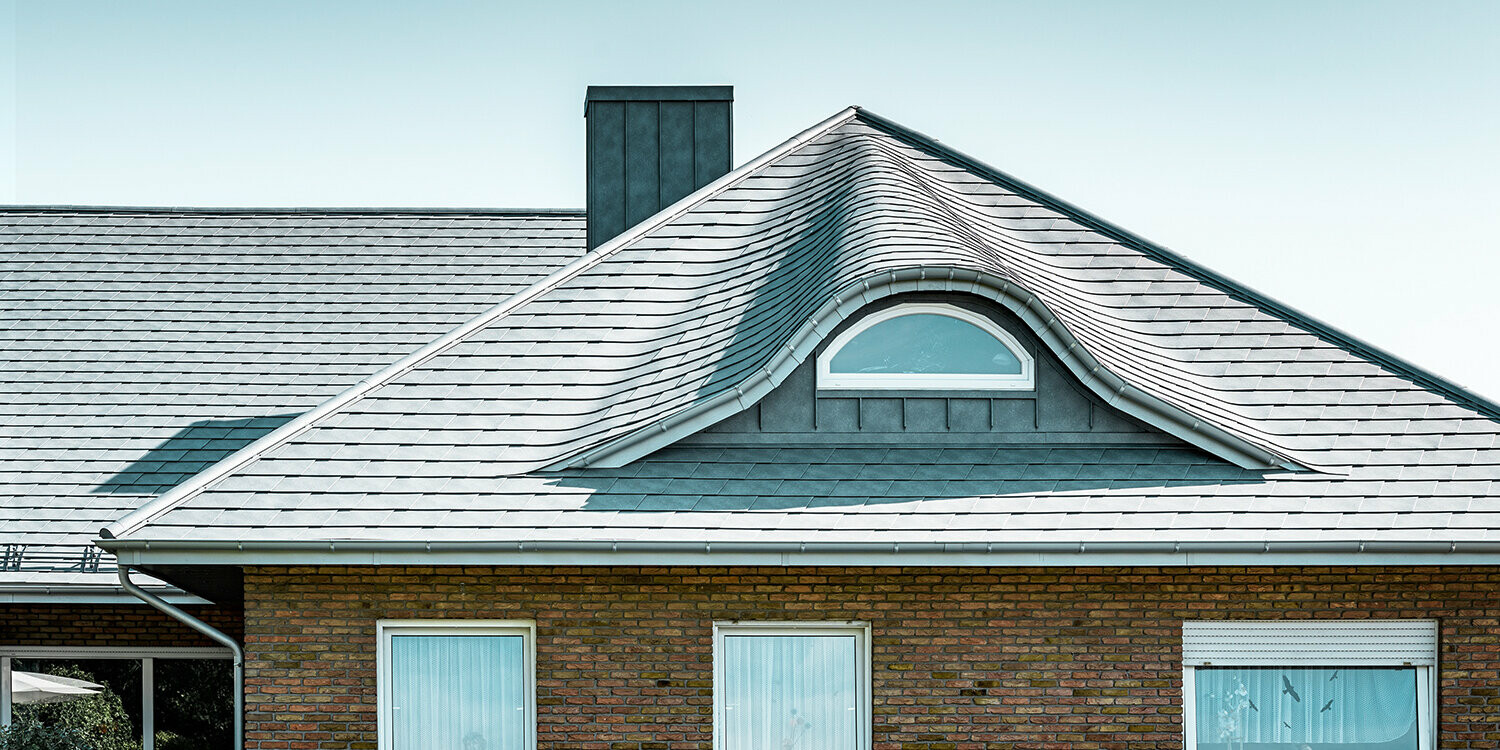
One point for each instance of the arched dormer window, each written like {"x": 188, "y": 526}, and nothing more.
{"x": 926, "y": 346}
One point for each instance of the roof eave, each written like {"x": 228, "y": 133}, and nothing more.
{"x": 861, "y": 554}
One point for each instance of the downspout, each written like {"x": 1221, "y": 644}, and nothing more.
{"x": 196, "y": 624}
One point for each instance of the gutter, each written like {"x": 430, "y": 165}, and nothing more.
{"x": 90, "y": 594}
{"x": 206, "y": 629}
{"x": 975, "y": 553}
{"x": 314, "y": 210}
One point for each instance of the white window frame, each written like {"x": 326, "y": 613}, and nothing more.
{"x": 1022, "y": 381}
{"x": 1301, "y": 644}
{"x": 386, "y": 629}
{"x": 147, "y": 656}
{"x": 863, "y": 680}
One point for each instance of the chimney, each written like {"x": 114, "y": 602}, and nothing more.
{"x": 648, "y": 147}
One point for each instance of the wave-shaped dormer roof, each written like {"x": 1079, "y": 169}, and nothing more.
{"x": 704, "y": 308}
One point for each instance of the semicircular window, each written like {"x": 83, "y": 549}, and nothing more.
{"x": 928, "y": 347}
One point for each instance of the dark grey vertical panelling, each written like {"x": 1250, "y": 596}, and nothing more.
{"x": 746, "y": 421}
{"x": 1060, "y": 411}
{"x": 606, "y": 171}
{"x": 838, "y": 415}
{"x": 789, "y": 408}
{"x": 713, "y": 141}
{"x": 880, "y": 414}
{"x": 1013, "y": 415}
{"x": 649, "y": 147}
{"x": 926, "y": 415}
{"x": 676, "y": 167}
{"x": 1065, "y": 409}
{"x": 1104, "y": 419}
{"x": 969, "y": 414}
{"x": 642, "y": 157}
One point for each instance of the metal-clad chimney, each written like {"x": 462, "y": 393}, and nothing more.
{"x": 648, "y": 146}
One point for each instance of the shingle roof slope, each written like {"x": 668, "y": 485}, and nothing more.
{"x": 141, "y": 345}
{"x": 748, "y": 494}
{"x": 715, "y": 295}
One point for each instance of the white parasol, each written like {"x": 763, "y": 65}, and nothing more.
{"x": 30, "y": 687}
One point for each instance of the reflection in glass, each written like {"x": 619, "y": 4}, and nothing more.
{"x": 1260, "y": 708}
{"x": 925, "y": 343}
{"x": 790, "y": 693}
{"x": 458, "y": 692}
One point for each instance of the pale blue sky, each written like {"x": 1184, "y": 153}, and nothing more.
{"x": 1341, "y": 156}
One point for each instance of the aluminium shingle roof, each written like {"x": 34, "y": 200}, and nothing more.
{"x": 516, "y": 426}
{"x": 895, "y": 494}
{"x": 139, "y": 346}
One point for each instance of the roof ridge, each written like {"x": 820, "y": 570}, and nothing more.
{"x": 81, "y": 208}
{"x": 182, "y": 492}
{"x": 1344, "y": 340}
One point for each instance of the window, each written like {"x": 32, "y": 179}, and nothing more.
{"x": 1356, "y": 685}
{"x": 129, "y": 678}
{"x": 927, "y": 347}
{"x": 791, "y": 686}
{"x": 466, "y": 685}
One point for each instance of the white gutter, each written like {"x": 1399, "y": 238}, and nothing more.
{"x": 206, "y": 629}
{"x": 916, "y": 554}
{"x": 89, "y": 594}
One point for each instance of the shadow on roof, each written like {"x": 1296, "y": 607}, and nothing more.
{"x": 193, "y": 449}
{"x": 679, "y": 479}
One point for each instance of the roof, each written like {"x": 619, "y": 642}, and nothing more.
{"x": 499, "y": 431}
{"x": 141, "y": 345}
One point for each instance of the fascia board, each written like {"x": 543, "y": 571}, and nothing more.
{"x": 1049, "y": 554}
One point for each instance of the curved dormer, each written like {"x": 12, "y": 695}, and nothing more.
{"x": 942, "y": 369}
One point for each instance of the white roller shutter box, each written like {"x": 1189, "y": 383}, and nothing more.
{"x": 1310, "y": 643}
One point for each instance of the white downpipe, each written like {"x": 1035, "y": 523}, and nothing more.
{"x": 173, "y": 612}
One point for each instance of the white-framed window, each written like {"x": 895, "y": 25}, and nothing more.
{"x": 791, "y": 686}
{"x": 170, "y": 661}
{"x": 461, "y": 684}
{"x": 1355, "y": 685}
{"x": 926, "y": 346}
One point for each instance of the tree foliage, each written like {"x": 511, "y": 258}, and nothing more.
{"x": 100, "y": 720}
{"x": 29, "y": 735}
{"x": 195, "y": 704}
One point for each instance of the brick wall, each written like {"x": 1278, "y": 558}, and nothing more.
{"x": 108, "y": 625}
{"x": 963, "y": 658}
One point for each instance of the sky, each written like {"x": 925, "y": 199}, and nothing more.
{"x": 1342, "y": 157}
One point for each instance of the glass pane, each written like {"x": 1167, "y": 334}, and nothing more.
{"x": 458, "y": 692}
{"x": 194, "y": 704}
{"x": 925, "y": 343}
{"x": 791, "y": 693}
{"x": 1296, "y": 708}
{"x": 98, "y": 698}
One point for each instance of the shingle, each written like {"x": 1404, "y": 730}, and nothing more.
{"x": 691, "y": 311}
{"x": 202, "y": 346}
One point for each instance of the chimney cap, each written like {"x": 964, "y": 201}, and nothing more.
{"x": 658, "y": 94}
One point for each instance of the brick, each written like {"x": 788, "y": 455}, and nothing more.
{"x": 963, "y": 657}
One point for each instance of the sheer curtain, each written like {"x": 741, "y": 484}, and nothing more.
{"x": 458, "y": 692}
{"x": 1354, "y": 707}
{"x": 791, "y": 692}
